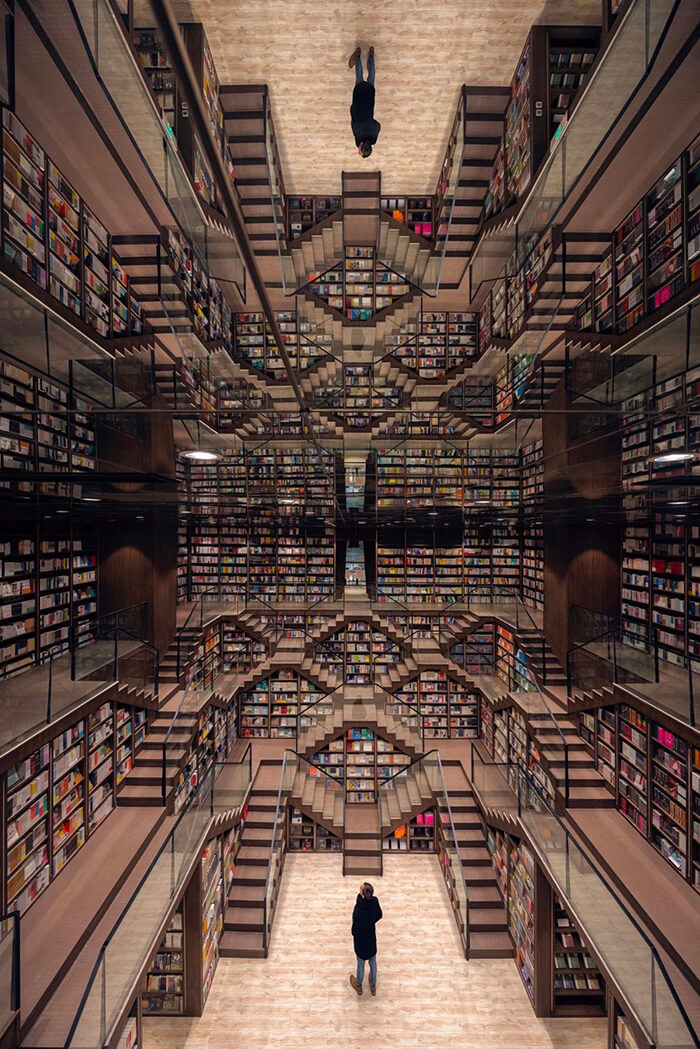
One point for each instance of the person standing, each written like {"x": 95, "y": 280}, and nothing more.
{"x": 365, "y": 916}
{"x": 364, "y": 127}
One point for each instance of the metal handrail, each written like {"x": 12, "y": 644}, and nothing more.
{"x": 266, "y": 916}
{"x": 337, "y": 785}
{"x": 524, "y": 773}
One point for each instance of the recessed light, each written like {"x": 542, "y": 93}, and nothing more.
{"x": 61, "y": 511}
{"x": 201, "y": 456}
{"x": 673, "y": 502}
{"x": 672, "y": 457}
{"x": 432, "y": 513}
{"x": 140, "y": 517}
{"x": 91, "y": 499}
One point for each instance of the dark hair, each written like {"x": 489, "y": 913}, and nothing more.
{"x": 366, "y": 148}
{"x": 368, "y": 891}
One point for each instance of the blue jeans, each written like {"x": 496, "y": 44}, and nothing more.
{"x": 370, "y": 70}
{"x": 372, "y": 971}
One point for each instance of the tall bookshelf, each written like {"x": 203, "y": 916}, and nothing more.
{"x": 418, "y": 213}
{"x": 653, "y": 772}
{"x": 521, "y": 912}
{"x": 53, "y": 237}
{"x": 164, "y": 994}
{"x": 212, "y": 912}
{"x": 577, "y": 979}
{"x": 269, "y": 708}
{"x": 444, "y": 341}
{"x": 358, "y": 652}
{"x": 448, "y": 709}
{"x": 303, "y": 213}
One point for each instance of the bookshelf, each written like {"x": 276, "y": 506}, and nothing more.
{"x": 68, "y": 809}
{"x": 358, "y": 652}
{"x": 360, "y": 286}
{"x": 164, "y": 994}
{"x": 269, "y": 709}
{"x": 577, "y": 980}
{"x": 306, "y": 835}
{"x": 418, "y": 213}
{"x": 550, "y": 72}
{"x": 303, "y": 213}
{"x": 521, "y": 912}
{"x": 55, "y": 238}
{"x": 414, "y": 477}
{"x": 448, "y": 709}
{"x": 101, "y": 762}
{"x": 159, "y": 76}
{"x": 212, "y": 912}
{"x": 444, "y": 341}
{"x": 511, "y": 661}
{"x": 418, "y": 835}
{"x": 653, "y": 773}
{"x": 27, "y": 871}
{"x": 360, "y": 768}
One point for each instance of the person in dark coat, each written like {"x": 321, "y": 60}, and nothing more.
{"x": 365, "y": 916}
{"x": 364, "y": 127}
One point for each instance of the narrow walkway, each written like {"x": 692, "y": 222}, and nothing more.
{"x": 428, "y": 995}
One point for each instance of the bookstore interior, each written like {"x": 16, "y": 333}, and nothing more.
{"x": 348, "y": 508}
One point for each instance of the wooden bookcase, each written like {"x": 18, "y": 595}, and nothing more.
{"x": 445, "y": 341}
{"x": 448, "y": 709}
{"x": 359, "y": 652}
{"x": 550, "y": 72}
{"x": 418, "y": 213}
{"x": 418, "y": 835}
{"x": 362, "y": 761}
{"x": 361, "y": 286}
{"x": 303, "y": 213}
{"x": 164, "y": 993}
{"x": 54, "y": 238}
{"x": 269, "y": 709}
{"x": 654, "y": 775}
{"x": 306, "y": 835}
{"x": 56, "y": 795}
{"x": 654, "y": 255}
{"x": 160, "y": 78}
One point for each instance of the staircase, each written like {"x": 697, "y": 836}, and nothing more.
{"x": 541, "y": 657}
{"x": 244, "y": 916}
{"x": 590, "y": 699}
{"x": 587, "y": 788}
{"x": 143, "y": 786}
{"x": 482, "y": 110}
{"x": 320, "y": 797}
{"x": 357, "y": 706}
{"x": 188, "y": 639}
{"x": 488, "y": 922}
{"x": 362, "y": 844}
{"x": 258, "y": 178}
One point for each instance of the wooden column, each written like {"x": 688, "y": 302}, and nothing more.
{"x": 192, "y": 925}
{"x": 544, "y": 944}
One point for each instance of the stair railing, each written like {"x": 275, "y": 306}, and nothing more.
{"x": 278, "y": 844}
{"x": 408, "y": 714}
{"x": 315, "y": 713}
{"x": 608, "y": 925}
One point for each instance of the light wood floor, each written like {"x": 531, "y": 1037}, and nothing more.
{"x": 424, "y": 50}
{"x": 427, "y": 996}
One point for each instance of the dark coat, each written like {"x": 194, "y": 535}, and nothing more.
{"x": 364, "y": 918}
{"x": 364, "y": 127}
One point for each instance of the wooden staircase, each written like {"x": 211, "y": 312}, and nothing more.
{"x": 587, "y": 788}
{"x": 244, "y": 915}
{"x": 189, "y": 637}
{"x": 488, "y": 921}
{"x": 362, "y": 844}
{"x": 144, "y": 784}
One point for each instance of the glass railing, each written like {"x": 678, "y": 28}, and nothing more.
{"x": 9, "y": 968}
{"x": 61, "y": 683}
{"x": 427, "y": 772}
{"x": 607, "y": 91}
{"x": 278, "y": 844}
{"x": 608, "y": 926}
{"x": 125, "y": 951}
{"x": 634, "y": 658}
{"x": 317, "y": 719}
{"x": 118, "y": 71}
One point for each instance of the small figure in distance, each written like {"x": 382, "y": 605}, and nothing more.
{"x": 364, "y": 127}
{"x": 365, "y": 916}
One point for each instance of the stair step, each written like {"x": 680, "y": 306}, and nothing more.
{"x": 242, "y": 895}
{"x": 490, "y": 945}
{"x": 241, "y": 944}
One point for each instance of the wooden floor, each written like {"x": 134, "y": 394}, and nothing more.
{"x": 427, "y": 996}
{"x": 424, "y": 52}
